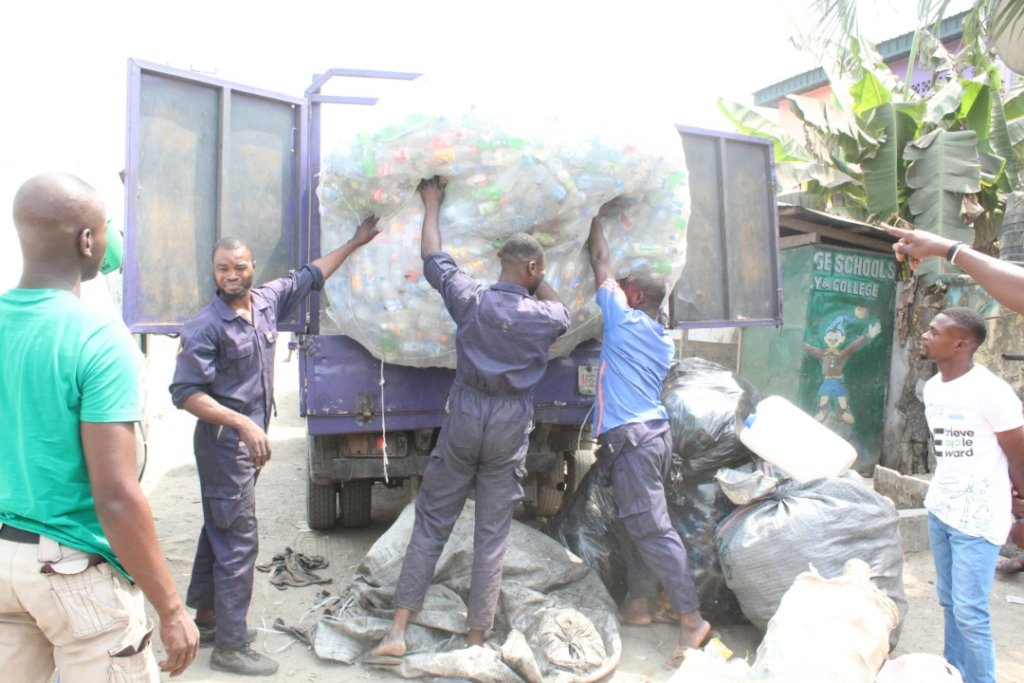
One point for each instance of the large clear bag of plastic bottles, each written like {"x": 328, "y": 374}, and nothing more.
{"x": 545, "y": 167}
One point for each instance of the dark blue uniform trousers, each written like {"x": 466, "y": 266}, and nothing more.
{"x": 482, "y": 444}
{"x": 639, "y": 458}
{"x": 222, "y": 574}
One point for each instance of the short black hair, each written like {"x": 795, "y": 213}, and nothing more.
{"x": 648, "y": 282}
{"x": 522, "y": 247}
{"x": 968, "y": 320}
{"x": 230, "y": 243}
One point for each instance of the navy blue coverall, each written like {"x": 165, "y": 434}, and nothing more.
{"x": 232, "y": 360}
{"x": 502, "y": 344}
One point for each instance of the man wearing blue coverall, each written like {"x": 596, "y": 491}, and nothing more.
{"x": 632, "y": 428}
{"x": 225, "y": 377}
{"x": 504, "y": 335}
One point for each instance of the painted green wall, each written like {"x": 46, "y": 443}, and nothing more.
{"x": 831, "y": 298}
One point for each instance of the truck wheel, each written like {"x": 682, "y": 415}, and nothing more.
{"x": 549, "y": 497}
{"x": 355, "y": 503}
{"x": 321, "y": 505}
{"x": 577, "y": 463}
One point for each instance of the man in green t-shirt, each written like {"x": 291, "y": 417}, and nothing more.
{"x": 77, "y": 540}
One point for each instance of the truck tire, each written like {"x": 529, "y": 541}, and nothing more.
{"x": 577, "y": 464}
{"x": 321, "y": 505}
{"x": 549, "y": 495}
{"x": 355, "y": 503}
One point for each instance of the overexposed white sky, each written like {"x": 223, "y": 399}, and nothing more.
{"x": 64, "y": 63}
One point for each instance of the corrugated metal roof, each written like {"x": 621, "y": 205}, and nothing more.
{"x": 803, "y": 225}
{"x": 891, "y": 50}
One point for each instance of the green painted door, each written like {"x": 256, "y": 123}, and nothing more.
{"x": 831, "y": 354}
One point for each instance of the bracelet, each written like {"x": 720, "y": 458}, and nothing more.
{"x": 954, "y": 249}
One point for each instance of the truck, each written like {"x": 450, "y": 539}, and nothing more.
{"x": 208, "y": 158}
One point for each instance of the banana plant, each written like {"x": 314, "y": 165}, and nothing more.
{"x": 943, "y": 159}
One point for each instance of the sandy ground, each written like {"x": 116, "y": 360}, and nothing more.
{"x": 170, "y": 481}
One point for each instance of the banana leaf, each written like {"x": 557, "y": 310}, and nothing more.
{"x": 946, "y": 101}
{"x": 748, "y": 121}
{"x": 1000, "y": 142}
{"x": 828, "y": 119}
{"x": 869, "y": 92}
{"x": 943, "y": 166}
{"x": 884, "y": 174}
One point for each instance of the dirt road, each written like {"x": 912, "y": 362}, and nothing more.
{"x": 170, "y": 481}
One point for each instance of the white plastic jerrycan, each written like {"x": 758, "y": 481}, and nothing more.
{"x": 802, "y": 447}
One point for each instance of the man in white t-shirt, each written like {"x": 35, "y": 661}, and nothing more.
{"x": 977, "y": 428}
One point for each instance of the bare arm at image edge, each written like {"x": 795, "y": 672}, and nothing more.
{"x": 127, "y": 522}
{"x": 600, "y": 257}
{"x": 1004, "y": 281}
{"x": 1012, "y": 443}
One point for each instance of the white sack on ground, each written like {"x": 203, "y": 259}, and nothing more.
{"x": 555, "y": 621}
{"x": 539, "y": 162}
{"x": 834, "y": 630}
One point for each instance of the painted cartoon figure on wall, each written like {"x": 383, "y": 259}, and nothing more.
{"x": 832, "y": 395}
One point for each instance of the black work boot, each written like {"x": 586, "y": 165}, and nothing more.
{"x": 208, "y": 632}
{"x": 244, "y": 661}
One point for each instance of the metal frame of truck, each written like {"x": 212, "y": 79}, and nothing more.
{"x": 197, "y": 144}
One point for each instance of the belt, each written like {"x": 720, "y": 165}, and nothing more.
{"x": 10, "y": 533}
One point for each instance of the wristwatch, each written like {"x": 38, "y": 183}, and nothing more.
{"x": 1018, "y": 519}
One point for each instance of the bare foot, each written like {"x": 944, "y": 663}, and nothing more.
{"x": 635, "y": 613}
{"x": 475, "y": 637}
{"x": 1010, "y": 565}
{"x": 391, "y": 646}
{"x": 627, "y": 619}
{"x": 695, "y": 637}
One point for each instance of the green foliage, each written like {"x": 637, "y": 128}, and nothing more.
{"x": 876, "y": 150}
{"x": 943, "y": 167}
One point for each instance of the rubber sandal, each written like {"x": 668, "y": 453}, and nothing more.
{"x": 382, "y": 660}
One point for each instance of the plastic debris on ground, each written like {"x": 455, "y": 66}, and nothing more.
{"x": 713, "y": 663}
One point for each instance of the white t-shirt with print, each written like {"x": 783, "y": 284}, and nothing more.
{"x": 970, "y": 490}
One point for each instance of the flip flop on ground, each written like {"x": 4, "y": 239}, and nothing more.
{"x": 381, "y": 660}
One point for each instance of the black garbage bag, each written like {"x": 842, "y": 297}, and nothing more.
{"x": 706, "y": 402}
{"x": 696, "y": 512}
{"x": 587, "y": 526}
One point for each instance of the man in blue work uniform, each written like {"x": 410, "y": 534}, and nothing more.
{"x": 225, "y": 377}
{"x": 504, "y": 335}
{"x": 635, "y": 438}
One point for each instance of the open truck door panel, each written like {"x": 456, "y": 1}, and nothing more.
{"x": 209, "y": 158}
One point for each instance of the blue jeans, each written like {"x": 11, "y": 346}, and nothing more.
{"x": 964, "y": 571}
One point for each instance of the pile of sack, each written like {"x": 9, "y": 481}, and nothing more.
{"x": 749, "y": 529}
